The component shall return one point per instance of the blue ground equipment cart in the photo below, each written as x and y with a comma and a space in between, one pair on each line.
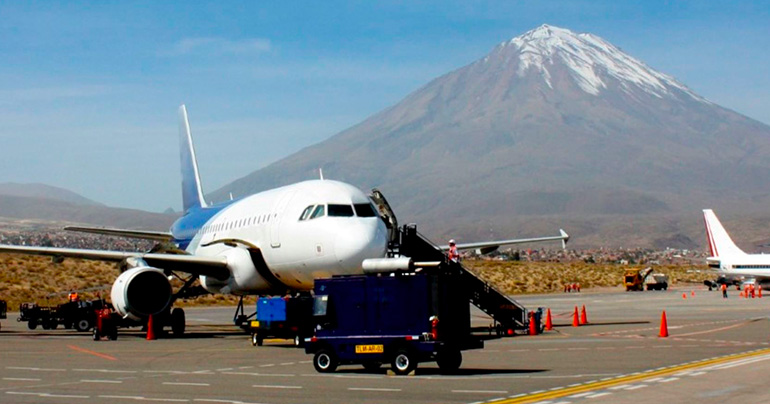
396, 318
282, 317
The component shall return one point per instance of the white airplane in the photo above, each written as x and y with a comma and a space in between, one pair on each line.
734, 266
268, 243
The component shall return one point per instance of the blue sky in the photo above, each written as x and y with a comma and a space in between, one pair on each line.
89, 90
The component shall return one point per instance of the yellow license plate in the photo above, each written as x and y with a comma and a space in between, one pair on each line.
255, 324
362, 349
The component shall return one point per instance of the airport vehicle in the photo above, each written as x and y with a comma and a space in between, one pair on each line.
656, 281
3, 309
282, 317
634, 278
271, 242
107, 323
80, 315
733, 266
401, 318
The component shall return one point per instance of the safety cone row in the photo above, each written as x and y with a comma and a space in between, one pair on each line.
583, 316
548, 321
663, 326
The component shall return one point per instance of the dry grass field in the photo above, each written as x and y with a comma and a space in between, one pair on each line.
26, 278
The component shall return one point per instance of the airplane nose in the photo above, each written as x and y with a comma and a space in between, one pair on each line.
355, 244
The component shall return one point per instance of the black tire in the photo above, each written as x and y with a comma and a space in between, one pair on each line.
67, 326
83, 325
53, 325
403, 362
298, 341
45, 325
372, 366
178, 322
96, 334
254, 339
113, 335
325, 361
449, 361
32, 324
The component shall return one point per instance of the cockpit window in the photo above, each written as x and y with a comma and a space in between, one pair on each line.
318, 212
306, 212
364, 210
340, 210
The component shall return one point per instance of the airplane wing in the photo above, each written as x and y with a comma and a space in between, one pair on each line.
146, 235
208, 266
489, 246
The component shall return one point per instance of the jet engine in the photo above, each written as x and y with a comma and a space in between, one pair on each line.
140, 292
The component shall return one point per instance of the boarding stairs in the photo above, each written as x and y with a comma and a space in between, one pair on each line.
506, 312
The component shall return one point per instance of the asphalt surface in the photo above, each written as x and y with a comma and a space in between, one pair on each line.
616, 358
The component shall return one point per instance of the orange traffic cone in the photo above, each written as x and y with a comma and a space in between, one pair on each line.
548, 321
532, 325
583, 316
759, 291
684, 295
150, 330
692, 293
575, 322
741, 294
663, 326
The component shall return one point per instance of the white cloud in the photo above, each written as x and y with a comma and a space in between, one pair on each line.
214, 45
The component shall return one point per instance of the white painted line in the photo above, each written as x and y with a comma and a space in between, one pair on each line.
185, 384
606, 393
224, 369
20, 379
580, 395
670, 379
216, 400
622, 386
697, 373
267, 366
19, 393
288, 363
638, 386
270, 386
104, 371
124, 397
577, 349
370, 389
548, 349
259, 374
481, 391
656, 379
36, 369
100, 381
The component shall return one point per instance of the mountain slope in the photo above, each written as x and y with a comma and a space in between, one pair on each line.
46, 192
550, 123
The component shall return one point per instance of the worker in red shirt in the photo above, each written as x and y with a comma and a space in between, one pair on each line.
724, 290
454, 256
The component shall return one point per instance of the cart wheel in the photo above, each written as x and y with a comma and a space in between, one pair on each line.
403, 362
44, 324
32, 324
298, 341
113, 336
372, 366
83, 325
254, 339
325, 361
449, 361
96, 334
177, 322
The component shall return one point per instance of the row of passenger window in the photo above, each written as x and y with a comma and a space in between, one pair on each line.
249, 221
316, 211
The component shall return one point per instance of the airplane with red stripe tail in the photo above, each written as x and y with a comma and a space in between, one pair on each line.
733, 265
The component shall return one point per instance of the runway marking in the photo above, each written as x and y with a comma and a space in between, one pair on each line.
639, 376
638, 386
47, 395
90, 352
259, 374
271, 386
580, 395
606, 393
714, 330
288, 363
481, 391
215, 400
140, 398
100, 381
104, 371
371, 389
185, 384
36, 369
20, 379
670, 379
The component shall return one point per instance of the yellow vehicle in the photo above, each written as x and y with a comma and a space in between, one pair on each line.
634, 278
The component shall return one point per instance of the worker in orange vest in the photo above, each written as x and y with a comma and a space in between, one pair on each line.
724, 290
454, 256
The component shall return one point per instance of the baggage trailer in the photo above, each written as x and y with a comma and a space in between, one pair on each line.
398, 318
79, 314
282, 317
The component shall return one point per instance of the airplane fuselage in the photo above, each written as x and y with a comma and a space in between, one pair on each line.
284, 238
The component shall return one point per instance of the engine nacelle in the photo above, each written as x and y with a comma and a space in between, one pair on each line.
140, 292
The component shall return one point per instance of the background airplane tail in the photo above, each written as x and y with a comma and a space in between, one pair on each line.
720, 243
192, 193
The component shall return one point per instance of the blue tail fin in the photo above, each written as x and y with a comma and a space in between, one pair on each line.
192, 194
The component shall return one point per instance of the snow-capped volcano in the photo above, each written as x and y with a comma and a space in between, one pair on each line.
549, 123
591, 61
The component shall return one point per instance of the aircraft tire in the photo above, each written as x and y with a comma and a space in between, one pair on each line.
178, 322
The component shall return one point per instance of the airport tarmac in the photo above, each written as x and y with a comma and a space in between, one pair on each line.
717, 351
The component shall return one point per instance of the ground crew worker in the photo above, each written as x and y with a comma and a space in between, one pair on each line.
73, 296
724, 290
454, 256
